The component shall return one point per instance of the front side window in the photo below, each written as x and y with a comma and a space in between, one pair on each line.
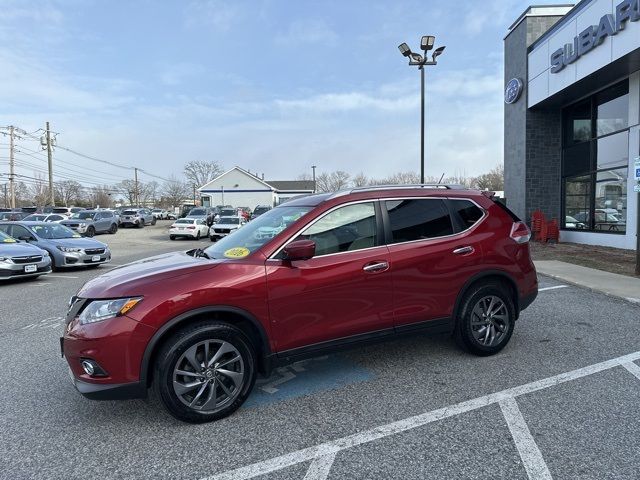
348, 228
418, 219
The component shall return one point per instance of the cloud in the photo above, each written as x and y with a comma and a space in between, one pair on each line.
343, 102
313, 31
217, 14
481, 16
176, 74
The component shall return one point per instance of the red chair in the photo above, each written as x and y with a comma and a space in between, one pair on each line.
553, 230
538, 222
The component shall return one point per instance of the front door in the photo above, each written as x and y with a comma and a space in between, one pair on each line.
344, 290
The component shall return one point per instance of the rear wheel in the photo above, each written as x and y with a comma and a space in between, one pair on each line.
198, 235
141, 224
172, 237
113, 229
205, 372
487, 319
153, 222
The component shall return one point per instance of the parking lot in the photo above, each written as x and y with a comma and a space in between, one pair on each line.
561, 401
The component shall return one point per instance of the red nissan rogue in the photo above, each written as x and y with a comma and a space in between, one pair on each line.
315, 274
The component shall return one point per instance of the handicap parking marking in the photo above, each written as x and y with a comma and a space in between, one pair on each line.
323, 454
305, 378
51, 322
60, 276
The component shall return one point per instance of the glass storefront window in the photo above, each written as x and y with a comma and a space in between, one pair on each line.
595, 170
577, 202
612, 109
611, 200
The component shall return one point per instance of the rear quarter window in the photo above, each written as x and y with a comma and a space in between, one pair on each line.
418, 219
468, 212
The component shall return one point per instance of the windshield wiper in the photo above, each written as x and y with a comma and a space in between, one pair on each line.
198, 252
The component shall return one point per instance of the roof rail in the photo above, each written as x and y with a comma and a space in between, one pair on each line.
403, 186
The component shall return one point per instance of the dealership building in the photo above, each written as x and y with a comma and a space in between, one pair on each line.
572, 115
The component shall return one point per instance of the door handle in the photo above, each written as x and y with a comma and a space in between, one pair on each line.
464, 250
376, 267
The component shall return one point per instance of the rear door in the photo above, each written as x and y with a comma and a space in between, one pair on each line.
432, 255
343, 291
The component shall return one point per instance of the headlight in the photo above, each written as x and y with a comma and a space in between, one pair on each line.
69, 249
99, 310
45, 253
4, 259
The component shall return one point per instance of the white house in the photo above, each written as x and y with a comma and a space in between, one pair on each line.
240, 188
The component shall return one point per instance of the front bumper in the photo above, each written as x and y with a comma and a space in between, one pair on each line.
123, 391
18, 270
76, 259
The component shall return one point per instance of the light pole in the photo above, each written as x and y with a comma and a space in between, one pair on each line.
313, 167
415, 59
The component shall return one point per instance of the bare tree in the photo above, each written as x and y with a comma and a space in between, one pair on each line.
68, 192
149, 193
201, 172
23, 195
174, 192
39, 190
494, 180
127, 189
360, 180
101, 196
332, 182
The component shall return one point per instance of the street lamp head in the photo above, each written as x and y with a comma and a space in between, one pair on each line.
404, 49
416, 57
426, 42
437, 52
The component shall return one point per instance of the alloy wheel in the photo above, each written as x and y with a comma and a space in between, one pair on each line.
209, 375
490, 321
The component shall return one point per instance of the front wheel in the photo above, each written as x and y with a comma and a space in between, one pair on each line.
113, 229
141, 224
205, 372
198, 235
487, 319
172, 237
153, 222
90, 232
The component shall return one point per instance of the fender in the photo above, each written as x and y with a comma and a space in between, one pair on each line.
160, 333
478, 276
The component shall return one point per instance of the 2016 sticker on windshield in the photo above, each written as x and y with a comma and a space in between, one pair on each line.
237, 252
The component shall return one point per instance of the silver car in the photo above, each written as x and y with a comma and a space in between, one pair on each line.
137, 217
66, 247
225, 226
90, 222
21, 260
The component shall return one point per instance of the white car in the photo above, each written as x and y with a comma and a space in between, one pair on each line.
226, 226
44, 217
188, 227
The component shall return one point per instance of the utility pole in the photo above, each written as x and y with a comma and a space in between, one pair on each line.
50, 160
135, 170
313, 167
12, 185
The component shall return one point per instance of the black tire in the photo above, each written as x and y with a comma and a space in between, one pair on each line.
170, 357
90, 232
198, 235
113, 229
141, 224
212, 239
153, 222
172, 237
470, 321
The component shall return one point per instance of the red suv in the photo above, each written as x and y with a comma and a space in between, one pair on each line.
315, 274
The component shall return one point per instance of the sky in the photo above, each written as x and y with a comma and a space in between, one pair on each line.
272, 86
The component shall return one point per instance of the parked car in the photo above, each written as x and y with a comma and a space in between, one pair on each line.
570, 222
245, 212
362, 265
225, 226
259, 210
66, 247
21, 260
171, 215
90, 222
160, 214
13, 216
44, 217
137, 217
189, 227
66, 211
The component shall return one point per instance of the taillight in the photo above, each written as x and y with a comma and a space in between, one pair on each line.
520, 232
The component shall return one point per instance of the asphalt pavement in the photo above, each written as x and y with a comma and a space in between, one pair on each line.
561, 401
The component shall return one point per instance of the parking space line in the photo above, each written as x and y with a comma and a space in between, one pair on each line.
552, 288
320, 467
60, 276
382, 431
529, 452
632, 368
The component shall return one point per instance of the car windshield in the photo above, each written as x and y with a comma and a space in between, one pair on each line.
130, 212
60, 210
260, 210
227, 213
256, 233
229, 220
83, 215
4, 238
185, 220
198, 211
35, 218
53, 231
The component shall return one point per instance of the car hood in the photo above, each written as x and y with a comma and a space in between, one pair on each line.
18, 249
76, 220
77, 242
134, 278
226, 225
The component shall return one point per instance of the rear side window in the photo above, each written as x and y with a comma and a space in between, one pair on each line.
418, 219
468, 212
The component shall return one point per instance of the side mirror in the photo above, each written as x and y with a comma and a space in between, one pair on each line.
300, 250
25, 238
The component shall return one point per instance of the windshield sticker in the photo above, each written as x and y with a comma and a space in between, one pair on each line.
9, 240
76, 235
237, 252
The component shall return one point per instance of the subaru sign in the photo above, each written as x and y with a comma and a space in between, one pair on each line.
594, 35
